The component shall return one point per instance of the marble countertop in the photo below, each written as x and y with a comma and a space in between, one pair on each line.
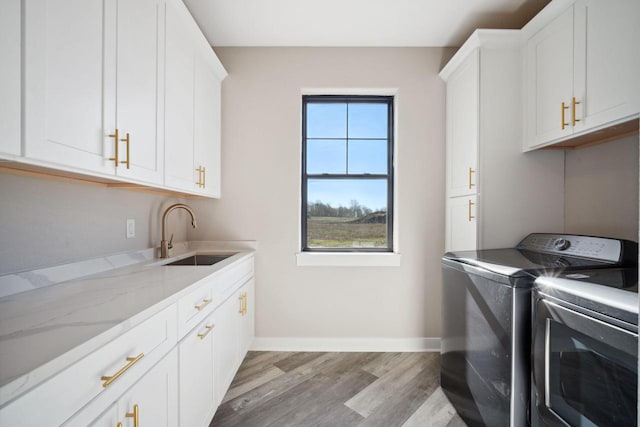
44, 330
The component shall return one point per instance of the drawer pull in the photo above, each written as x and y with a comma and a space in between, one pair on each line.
205, 302
208, 328
131, 361
134, 415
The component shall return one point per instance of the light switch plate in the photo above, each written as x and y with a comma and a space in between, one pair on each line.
131, 228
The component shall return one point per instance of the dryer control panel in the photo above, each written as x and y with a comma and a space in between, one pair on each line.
600, 248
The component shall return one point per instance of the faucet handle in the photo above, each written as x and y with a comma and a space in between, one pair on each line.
170, 246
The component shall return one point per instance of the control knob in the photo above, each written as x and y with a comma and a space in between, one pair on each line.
561, 244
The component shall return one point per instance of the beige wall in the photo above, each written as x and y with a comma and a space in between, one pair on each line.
46, 222
261, 186
601, 189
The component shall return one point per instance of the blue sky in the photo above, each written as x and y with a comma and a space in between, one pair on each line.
369, 155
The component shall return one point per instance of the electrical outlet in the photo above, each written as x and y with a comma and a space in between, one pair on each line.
131, 228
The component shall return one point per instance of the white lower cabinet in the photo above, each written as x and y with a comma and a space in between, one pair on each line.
152, 401
154, 375
461, 225
225, 348
196, 366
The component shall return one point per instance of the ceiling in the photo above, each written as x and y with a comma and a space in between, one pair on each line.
355, 22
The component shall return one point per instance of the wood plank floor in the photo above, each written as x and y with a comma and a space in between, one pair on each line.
337, 390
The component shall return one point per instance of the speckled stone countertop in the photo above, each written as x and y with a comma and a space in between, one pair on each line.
50, 327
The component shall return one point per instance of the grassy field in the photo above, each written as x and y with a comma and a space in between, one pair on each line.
332, 232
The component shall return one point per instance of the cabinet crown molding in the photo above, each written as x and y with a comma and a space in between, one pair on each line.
481, 38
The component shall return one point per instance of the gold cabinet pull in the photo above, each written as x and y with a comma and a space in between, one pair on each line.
205, 302
471, 172
241, 298
204, 177
564, 107
131, 361
470, 205
199, 183
116, 138
573, 111
208, 328
126, 139
135, 415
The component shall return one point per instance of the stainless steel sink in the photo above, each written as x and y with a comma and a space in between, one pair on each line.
200, 260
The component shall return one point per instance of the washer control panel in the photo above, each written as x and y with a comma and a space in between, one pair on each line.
600, 248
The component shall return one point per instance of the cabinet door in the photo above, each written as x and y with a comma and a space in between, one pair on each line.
207, 124
247, 328
10, 19
63, 79
156, 396
549, 82
140, 80
196, 376
180, 172
225, 344
607, 61
461, 224
462, 128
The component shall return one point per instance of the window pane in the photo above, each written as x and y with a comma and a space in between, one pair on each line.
368, 156
347, 213
326, 120
326, 156
368, 120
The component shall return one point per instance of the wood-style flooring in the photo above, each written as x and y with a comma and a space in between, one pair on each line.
283, 389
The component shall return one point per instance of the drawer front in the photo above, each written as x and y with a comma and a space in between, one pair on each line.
230, 280
124, 360
195, 306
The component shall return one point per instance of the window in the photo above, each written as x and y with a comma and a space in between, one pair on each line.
347, 173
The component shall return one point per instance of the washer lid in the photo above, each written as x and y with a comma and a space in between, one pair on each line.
520, 262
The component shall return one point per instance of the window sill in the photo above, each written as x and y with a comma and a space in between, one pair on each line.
347, 259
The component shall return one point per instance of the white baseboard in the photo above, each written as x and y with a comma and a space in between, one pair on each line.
346, 344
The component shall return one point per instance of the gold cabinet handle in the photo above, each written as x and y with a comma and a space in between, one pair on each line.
205, 302
204, 177
199, 183
131, 361
116, 137
564, 107
573, 111
208, 328
241, 298
471, 184
470, 205
127, 140
135, 415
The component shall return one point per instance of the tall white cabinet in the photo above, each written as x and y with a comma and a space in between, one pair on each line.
496, 194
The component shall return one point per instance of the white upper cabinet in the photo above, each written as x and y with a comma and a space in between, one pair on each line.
64, 100
93, 67
549, 81
207, 125
462, 128
581, 68
138, 89
127, 90
179, 95
607, 61
10, 77
193, 96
